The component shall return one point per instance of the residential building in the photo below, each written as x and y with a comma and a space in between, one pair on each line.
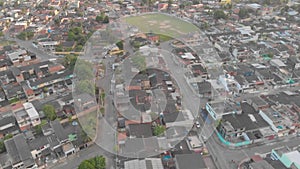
219, 108
8, 125
27, 117
23, 120
193, 161
148, 163
286, 157
32, 113
19, 153
140, 130
59, 131
14, 92
248, 124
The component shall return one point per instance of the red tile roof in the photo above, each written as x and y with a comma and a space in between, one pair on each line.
133, 88
127, 122
121, 136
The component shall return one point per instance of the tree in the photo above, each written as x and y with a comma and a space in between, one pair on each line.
38, 129
102, 97
59, 48
97, 162
78, 48
69, 61
181, 6
1, 33
219, 14
99, 18
148, 3
243, 13
49, 111
195, 2
84, 137
56, 21
158, 130
2, 147
106, 19
71, 36
45, 89
267, 2
86, 165
120, 45
205, 25
7, 136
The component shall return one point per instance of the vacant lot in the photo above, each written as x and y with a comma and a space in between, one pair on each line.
161, 24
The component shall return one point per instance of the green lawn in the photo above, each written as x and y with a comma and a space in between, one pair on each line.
161, 24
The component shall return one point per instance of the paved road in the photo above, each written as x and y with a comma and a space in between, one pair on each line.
188, 95
28, 45
107, 126
222, 155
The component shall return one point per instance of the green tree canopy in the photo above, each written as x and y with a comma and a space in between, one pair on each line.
2, 146
69, 61
120, 45
219, 14
71, 36
243, 13
78, 48
76, 34
106, 19
97, 162
158, 130
49, 111
99, 18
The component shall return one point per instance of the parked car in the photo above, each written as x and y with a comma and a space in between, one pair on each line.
197, 124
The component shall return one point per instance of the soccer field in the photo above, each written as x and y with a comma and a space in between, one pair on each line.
161, 24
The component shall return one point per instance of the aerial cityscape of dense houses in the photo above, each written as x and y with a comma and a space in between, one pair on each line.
225, 96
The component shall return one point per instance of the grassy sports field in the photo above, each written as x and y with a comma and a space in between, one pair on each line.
161, 24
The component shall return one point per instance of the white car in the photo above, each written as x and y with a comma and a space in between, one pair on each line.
197, 124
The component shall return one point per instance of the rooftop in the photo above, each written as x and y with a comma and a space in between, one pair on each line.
248, 119
262, 164
293, 156
194, 161
140, 130
59, 130
204, 87
31, 111
148, 163
18, 150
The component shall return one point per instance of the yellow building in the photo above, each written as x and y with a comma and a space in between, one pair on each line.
224, 2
